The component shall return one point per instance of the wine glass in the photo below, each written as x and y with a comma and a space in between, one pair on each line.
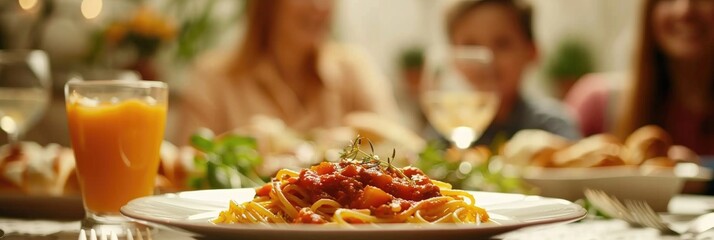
460, 95
24, 90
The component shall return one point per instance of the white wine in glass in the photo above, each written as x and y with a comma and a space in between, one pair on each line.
24, 90
460, 95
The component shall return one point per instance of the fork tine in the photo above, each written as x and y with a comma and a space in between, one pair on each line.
597, 199
129, 236
653, 218
138, 235
610, 205
642, 216
92, 235
622, 210
649, 217
148, 234
646, 215
82, 235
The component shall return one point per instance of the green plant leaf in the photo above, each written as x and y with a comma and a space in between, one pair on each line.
571, 59
201, 143
230, 161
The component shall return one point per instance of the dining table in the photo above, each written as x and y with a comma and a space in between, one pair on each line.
681, 209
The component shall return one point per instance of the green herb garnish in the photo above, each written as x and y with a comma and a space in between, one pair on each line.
353, 153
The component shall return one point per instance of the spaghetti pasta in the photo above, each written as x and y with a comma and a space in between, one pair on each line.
355, 190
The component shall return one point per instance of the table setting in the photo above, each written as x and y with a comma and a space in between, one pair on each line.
356, 120
684, 208
121, 180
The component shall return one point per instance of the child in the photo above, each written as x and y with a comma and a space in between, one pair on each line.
504, 26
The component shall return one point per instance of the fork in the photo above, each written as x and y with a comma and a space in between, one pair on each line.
639, 213
611, 206
650, 218
92, 235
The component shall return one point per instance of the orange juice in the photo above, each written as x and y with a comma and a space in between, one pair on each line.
116, 147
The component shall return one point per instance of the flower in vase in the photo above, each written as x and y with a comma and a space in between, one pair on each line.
145, 31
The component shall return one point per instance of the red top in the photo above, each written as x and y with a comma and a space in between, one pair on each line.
693, 130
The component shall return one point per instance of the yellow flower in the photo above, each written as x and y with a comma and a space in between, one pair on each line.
166, 31
115, 33
149, 24
146, 30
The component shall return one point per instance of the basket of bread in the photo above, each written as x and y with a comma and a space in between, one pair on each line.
39, 181
644, 166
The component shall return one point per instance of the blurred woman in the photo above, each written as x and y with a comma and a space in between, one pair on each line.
673, 83
287, 68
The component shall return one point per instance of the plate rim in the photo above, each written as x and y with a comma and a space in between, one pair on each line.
200, 228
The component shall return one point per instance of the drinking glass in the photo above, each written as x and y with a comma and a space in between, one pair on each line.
460, 95
24, 90
116, 128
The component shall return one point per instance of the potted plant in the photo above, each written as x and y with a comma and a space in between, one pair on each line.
571, 60
411, 62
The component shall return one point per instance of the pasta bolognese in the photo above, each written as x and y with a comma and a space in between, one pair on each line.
359, 189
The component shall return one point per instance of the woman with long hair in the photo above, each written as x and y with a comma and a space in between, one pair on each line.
286, 67
673, 79
671, 84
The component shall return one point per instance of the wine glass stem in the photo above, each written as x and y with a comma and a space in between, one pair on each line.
463, 137
13, 137
461, 145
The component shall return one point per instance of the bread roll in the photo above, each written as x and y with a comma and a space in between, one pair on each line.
647, 142
683, 154
609, 160
174, 168
29, 168
11, 169
649, 145
590, 152
532, 147
543, 158
659, 162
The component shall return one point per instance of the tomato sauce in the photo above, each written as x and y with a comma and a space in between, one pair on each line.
385, 191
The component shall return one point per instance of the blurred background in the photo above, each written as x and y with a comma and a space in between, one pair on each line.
161, 40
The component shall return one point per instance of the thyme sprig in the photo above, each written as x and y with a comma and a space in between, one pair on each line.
352, 153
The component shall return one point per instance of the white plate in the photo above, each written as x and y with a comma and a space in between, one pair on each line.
191, 211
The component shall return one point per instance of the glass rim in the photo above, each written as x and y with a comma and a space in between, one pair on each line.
472, 52
21, 51
117, 83
18, 56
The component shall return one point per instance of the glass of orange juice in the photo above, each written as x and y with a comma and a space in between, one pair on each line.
116, 128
